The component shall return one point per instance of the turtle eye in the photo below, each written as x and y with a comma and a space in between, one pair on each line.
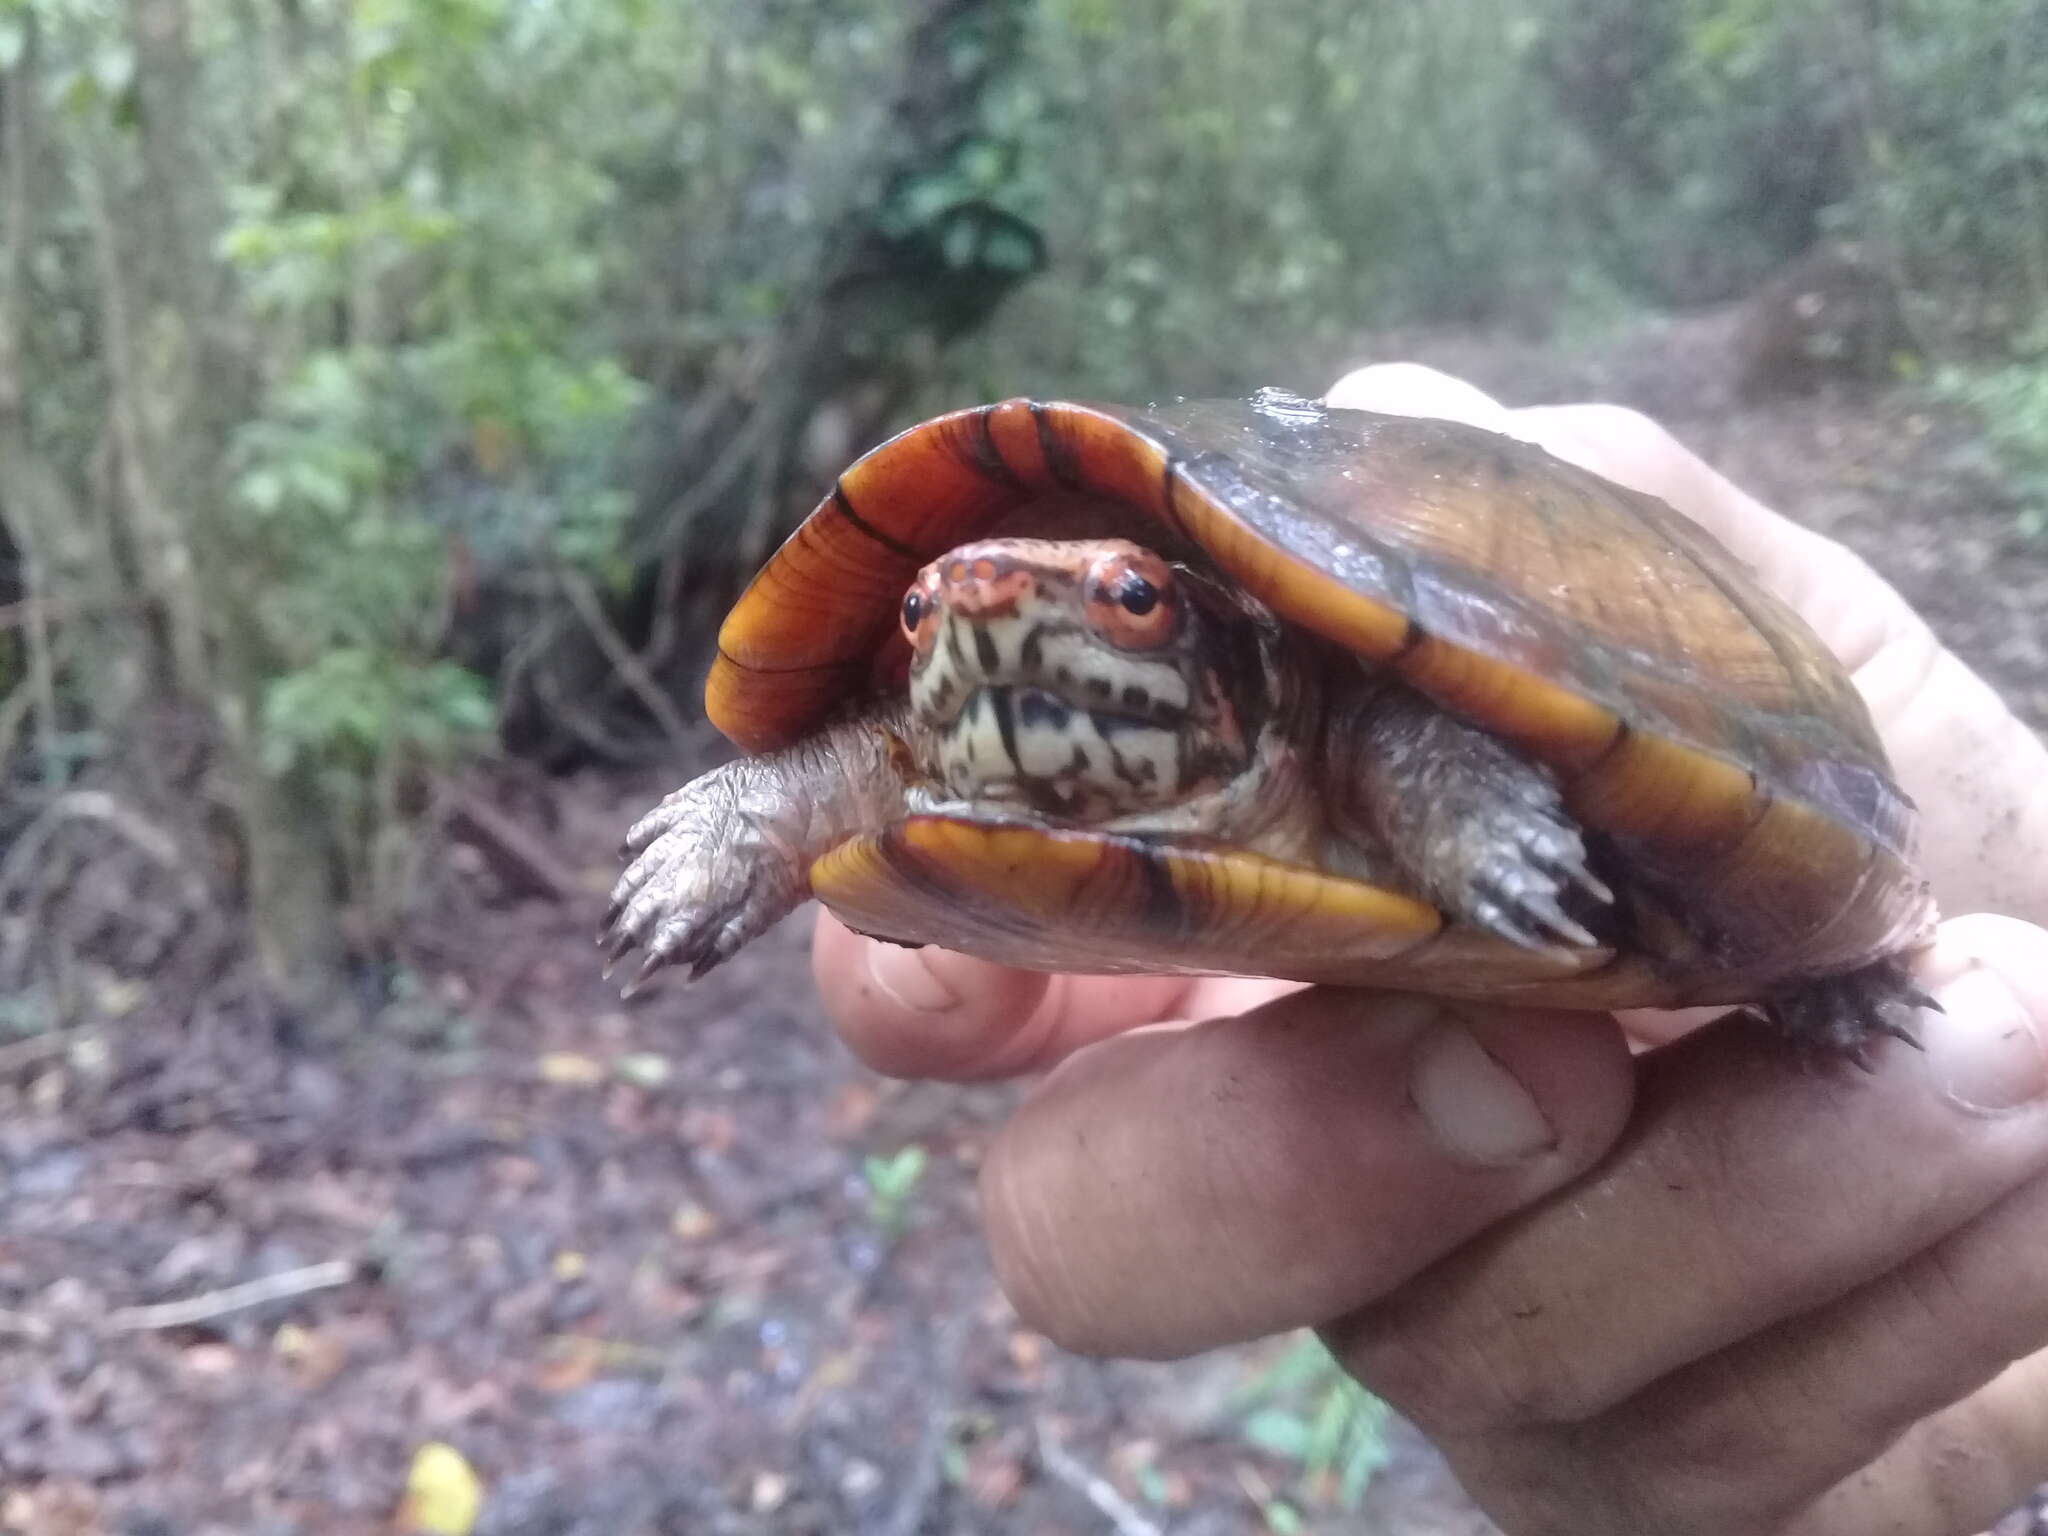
1131, 599
1138, 596
920, 603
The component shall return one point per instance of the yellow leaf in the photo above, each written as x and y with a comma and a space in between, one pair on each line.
568, 1070
443, 1495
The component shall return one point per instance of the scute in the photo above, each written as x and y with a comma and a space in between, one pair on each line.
1072, 900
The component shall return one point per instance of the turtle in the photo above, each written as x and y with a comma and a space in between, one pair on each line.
1268, 687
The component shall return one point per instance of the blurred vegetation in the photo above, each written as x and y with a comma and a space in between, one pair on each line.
386, 381
1304, 1408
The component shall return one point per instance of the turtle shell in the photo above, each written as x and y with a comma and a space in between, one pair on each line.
1695, 724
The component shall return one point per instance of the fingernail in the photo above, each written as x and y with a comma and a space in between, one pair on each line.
904, 977
1471, 1104
1984, 1044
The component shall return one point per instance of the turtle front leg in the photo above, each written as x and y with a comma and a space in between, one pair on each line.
1478, 827
728, 855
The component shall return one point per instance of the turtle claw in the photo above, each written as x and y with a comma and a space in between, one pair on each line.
615, 946
639, 979
1530, 879
708, 875
1847, 1015
1528, 915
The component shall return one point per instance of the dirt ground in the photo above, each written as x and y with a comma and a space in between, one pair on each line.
643, 1265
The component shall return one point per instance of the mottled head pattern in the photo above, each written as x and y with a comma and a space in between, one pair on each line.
1077, 677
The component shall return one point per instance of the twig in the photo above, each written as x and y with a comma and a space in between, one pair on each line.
23, 1325
632, 672
668, 608
33, 1049
98, 806
14, 713
928, 1461
522, 861
586, 728
32, 612
235, 1298
1113, 1506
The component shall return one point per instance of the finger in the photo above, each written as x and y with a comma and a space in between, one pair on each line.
1769, 1191
1747, 1438
1168, 1191
931, 1013
1957, 1470
1978, 774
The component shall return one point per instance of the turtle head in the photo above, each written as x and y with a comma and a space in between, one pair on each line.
1084, 678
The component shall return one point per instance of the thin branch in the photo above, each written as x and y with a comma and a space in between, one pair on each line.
522, 861
632, 672
24, 1325
33, 612
668, 608
19, 138
927, 1463
14, 710
1113, 1506
235, 1298
35, 1049
97, 806
585, 727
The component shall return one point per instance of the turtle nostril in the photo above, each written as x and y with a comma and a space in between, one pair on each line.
985, 593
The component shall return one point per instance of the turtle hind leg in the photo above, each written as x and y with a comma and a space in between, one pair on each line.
1847, 1015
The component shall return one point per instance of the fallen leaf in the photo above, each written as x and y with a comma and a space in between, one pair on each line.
644, 1069
709, 1130
443, 1495
215, 1360
314, 1357
566, 1069
849, 1110
692, 1222
995, 1471
770, 1490
569, 1361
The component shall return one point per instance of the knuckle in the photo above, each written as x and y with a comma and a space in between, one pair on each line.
1471, 1383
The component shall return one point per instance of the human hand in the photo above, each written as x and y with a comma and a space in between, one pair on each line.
1690, 1290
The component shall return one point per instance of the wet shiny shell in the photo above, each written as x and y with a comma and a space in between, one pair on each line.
1695, 723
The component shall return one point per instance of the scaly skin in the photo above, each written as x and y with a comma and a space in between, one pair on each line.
1477, 827
727, 856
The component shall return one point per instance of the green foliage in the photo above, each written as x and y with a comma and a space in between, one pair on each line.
1958, 153
892, 1183
348, 707
2010, 403
1305, 1409
1226, 188
1729, 134
1233, 194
